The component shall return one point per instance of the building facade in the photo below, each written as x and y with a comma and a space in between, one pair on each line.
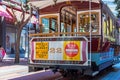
8, 30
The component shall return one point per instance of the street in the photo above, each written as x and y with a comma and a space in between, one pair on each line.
11, 71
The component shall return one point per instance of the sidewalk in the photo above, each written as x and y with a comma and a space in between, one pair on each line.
8, 69
10, 62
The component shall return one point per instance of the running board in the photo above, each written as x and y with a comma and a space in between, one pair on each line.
91, 73
95, 73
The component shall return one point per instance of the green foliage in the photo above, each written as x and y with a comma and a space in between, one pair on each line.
25, 5
118, 15
115, 1
117, 7
27, 1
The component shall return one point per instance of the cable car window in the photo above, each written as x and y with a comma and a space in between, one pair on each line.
45, 23
68, 19
84, 22
53, 27
49, 24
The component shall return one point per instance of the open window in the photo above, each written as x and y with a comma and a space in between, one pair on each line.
84, 22
49, 24
68, 19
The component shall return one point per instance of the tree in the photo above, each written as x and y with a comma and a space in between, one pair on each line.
20, 23
117, 7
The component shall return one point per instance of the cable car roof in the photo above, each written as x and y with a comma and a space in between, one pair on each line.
44, 3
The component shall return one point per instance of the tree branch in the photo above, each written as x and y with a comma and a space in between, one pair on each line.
26, 21
23, 13
14, 16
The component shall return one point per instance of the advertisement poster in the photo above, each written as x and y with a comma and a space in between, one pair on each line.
41, 50
10, 40
71, 50
58, 50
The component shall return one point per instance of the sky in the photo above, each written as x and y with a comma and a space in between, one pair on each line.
111, 5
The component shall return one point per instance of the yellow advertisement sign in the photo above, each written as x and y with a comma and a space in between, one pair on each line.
41, 49
71, 50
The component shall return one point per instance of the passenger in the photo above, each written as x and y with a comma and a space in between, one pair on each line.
2, 53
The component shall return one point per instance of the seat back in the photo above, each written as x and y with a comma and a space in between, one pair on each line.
106, 46
95, 45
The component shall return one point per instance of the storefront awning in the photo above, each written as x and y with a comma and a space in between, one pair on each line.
19, 13
4, 13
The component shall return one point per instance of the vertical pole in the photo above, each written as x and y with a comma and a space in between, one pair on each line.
90, 32
28, 54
